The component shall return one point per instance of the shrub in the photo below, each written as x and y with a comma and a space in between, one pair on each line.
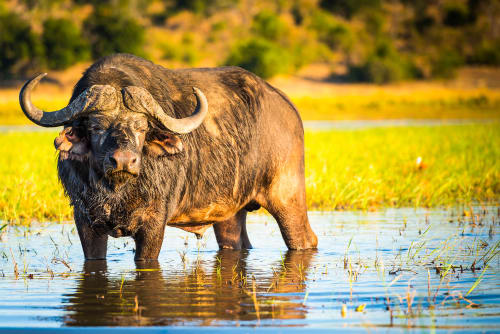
446, 64
169, 51
383, 65
423, 22
488, 53
268, 25
185, 52
64, 44
261, 57
306, 51
20, 49
204, 7
298, 16
332, 32
456, 15
197, 6
349, 8
379, 70
110, 31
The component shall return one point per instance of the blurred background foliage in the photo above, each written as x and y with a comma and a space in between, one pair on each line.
376, 41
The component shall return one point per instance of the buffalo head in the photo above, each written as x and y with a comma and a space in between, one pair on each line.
111, 129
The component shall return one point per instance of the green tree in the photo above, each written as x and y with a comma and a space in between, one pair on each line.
349, 8
268, 25
331, 31
110, 31
383, 64
261, 57
456, 15
20, 49
446, 63
64, 44
487, 53
205, 7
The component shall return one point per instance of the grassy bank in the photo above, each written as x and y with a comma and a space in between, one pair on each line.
326, 101
47, 98
371, 168
359, 169
29, 188
381, 105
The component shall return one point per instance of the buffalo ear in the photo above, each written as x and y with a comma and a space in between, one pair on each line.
63, 141
165, 144
72, 144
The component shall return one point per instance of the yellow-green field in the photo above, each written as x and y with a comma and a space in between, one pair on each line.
381, 105
29, 188
355, 169
46, 99
325, 101
367, 169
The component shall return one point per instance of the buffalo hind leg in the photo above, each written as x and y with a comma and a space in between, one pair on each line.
286, 202
232, 233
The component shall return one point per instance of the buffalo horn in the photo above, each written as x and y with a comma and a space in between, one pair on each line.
140, 100
101, 97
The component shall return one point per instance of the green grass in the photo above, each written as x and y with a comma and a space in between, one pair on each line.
10, 110
384, 105
29, 188
355, 169
420, 101
365, 169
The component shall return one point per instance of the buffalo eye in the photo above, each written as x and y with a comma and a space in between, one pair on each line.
97, 135
97, 132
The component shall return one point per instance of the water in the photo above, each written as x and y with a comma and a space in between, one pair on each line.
376, 260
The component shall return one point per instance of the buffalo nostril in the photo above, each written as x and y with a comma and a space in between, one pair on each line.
125, 160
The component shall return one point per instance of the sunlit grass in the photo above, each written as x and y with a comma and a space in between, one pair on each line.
45, 98
405, 104
29, 188
342, 103
366, 169
361, 169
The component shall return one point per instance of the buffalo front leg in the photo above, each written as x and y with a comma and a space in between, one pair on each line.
148, 241
150, 224
94, 244
232, 233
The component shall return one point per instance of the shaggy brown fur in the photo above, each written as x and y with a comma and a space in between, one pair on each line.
249, 152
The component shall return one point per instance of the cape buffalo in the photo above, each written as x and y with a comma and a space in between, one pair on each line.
144, 146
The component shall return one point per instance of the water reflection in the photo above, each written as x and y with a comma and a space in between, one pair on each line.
394, 258
213, 292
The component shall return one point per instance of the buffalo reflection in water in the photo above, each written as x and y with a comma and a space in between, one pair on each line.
190, 297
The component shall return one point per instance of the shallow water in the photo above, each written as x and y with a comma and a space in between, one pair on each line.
376, 260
